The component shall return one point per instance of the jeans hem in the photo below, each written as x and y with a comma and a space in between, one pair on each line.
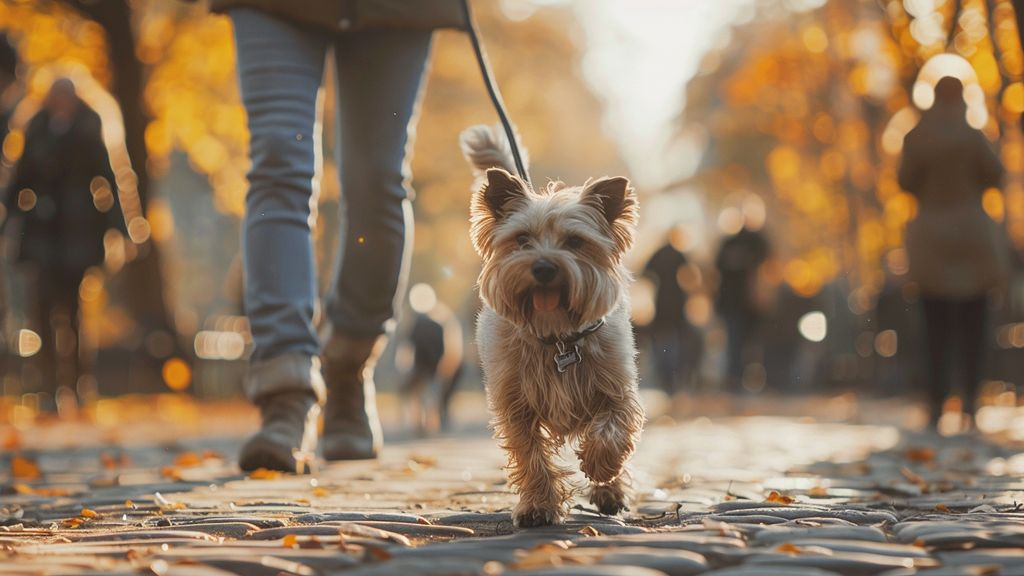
285, 373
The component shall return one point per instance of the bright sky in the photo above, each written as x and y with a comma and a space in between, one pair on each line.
639, 55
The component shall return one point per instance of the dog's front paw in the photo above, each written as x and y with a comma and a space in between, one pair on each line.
532, 516
610, 499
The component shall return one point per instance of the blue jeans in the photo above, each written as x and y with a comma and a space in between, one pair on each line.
379, 78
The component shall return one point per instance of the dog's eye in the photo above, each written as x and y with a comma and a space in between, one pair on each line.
574, 242
523, 240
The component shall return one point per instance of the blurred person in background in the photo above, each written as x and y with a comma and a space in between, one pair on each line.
62, 200
738, 263
435, 345
670, 330
957, 254
380, 54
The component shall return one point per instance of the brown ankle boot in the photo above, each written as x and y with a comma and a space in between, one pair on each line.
289, 421
351, 426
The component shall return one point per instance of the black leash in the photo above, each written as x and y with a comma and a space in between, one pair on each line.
492, 90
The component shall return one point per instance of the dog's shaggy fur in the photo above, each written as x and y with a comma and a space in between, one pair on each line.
582, 232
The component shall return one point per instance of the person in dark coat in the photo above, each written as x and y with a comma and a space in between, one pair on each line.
62, 199
739, 259
427, 341
957, 254
669, 328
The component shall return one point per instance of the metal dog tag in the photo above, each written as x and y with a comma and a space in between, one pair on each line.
567, 357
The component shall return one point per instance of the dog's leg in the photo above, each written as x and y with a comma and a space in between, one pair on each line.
606, 445
542, 485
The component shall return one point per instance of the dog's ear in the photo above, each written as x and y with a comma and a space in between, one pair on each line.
500, 189
615, 198
491, 205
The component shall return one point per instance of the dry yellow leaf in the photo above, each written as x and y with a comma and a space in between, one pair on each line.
290, 541
87, 513
942, 507
73, 522
26, 489
377, 554
777, 498
170, 472
321, 492
24, 468
12, 442
187, 459
919, 454
789, 548
264, 474
818, 492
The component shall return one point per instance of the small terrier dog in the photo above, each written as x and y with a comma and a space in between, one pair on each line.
554, 334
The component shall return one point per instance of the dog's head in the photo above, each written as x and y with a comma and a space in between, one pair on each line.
552, 260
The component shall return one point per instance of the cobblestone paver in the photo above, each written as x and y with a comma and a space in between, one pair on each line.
739, 496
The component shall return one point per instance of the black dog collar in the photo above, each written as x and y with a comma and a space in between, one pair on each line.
568, 350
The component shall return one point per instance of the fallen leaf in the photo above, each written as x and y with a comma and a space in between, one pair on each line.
290, 541
129, 504
321, 492
942, 507
915, 479
87, 513
73, 522
818, 492
41, 491
919, 454
12, 441
264, 474
187, 460
776, 498
108, 461
377, 554
24, 468
789, 548
212, 455
170, 472
422, 460
589, 531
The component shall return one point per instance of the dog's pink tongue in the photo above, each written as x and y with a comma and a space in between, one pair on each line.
546, 300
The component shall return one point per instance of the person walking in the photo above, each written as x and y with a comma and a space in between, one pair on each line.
738, 262
669, 328
380, 53
956, 252
63, 197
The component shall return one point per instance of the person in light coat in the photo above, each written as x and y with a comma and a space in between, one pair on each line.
957, 253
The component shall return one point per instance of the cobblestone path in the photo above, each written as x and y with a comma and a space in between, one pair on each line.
731, 496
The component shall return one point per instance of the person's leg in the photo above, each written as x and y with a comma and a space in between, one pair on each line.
665, 347
280, 67
971, 322
379, 75
736, 337
937, 349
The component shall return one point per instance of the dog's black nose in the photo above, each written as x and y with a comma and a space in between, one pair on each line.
544, 271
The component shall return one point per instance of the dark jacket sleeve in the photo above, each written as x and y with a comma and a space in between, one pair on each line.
990, 168
911, 170
99, 161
